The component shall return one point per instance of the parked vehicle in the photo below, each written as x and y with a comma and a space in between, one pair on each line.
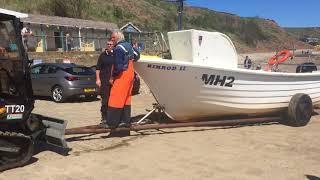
136, 83
62, 81
306, 67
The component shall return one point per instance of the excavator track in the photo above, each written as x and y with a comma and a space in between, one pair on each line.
16, 150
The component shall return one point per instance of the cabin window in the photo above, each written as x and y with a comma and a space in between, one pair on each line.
8, 42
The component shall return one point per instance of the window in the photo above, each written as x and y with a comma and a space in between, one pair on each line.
8, 41
43, 69
52, 69
80, 71
36, 70
11, 65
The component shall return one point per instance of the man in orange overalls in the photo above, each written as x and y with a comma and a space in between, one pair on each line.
119, 106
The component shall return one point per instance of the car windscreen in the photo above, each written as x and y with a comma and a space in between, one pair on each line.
80, 71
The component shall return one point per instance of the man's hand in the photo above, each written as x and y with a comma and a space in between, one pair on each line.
98, 83
111, 81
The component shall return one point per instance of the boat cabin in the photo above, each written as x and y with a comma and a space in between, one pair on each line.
203, 48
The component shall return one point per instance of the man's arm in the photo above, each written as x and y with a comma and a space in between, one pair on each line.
98, 80
98, 68
136, 54
24, 32
119, 55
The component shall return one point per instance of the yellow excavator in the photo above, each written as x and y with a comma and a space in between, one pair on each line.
19, 128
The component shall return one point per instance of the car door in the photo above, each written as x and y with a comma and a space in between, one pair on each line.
35, 79
41, 80
50, 79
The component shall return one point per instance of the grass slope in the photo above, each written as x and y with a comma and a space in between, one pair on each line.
248, 34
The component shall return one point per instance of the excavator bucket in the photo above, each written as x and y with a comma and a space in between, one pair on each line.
54, 131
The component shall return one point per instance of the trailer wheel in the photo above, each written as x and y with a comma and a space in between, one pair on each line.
299, 110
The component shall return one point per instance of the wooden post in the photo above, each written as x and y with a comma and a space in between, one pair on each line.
62, 41
43, 38
80, 46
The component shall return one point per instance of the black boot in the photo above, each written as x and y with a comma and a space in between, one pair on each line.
125, 120
103, 111
113, 116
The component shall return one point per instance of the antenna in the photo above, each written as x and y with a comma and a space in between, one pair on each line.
180, 11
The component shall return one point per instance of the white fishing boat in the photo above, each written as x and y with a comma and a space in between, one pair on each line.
203, 80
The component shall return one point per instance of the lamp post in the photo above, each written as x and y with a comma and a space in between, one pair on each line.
180, 11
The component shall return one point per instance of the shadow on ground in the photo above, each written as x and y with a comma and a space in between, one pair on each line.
311, 177
70, 100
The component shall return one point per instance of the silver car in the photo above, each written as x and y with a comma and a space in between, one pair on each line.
62, 80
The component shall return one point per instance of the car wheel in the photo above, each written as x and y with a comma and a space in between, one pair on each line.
57, 94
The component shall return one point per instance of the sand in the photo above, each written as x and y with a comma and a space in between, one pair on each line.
270, 151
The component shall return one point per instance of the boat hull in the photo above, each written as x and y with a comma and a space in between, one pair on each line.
191, 92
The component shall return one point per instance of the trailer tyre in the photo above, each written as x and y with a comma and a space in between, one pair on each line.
299, 110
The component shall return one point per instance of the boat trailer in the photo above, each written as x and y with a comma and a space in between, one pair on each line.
57, 131
158, 110
96, 129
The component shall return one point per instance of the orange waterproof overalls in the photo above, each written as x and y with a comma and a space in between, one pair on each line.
119, 105
120, 94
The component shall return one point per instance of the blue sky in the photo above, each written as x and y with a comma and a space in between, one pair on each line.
288, 13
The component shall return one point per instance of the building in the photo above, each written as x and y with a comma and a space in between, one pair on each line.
50, 32
150, 42
131, 32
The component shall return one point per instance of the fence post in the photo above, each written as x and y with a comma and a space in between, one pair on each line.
80, 43
66, 44
43, 38
62, 41
99, 43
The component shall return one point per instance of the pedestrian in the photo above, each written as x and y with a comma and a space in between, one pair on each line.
136, 50
119, 106
26, 32
247, 63
69, 41
103, 74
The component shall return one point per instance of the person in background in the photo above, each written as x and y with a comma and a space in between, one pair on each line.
69, 41
258, 67
26, 33
103, 74
119, 106
136, 50
247, 63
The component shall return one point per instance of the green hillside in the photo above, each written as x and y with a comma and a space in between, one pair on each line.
248, 34
301, 33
